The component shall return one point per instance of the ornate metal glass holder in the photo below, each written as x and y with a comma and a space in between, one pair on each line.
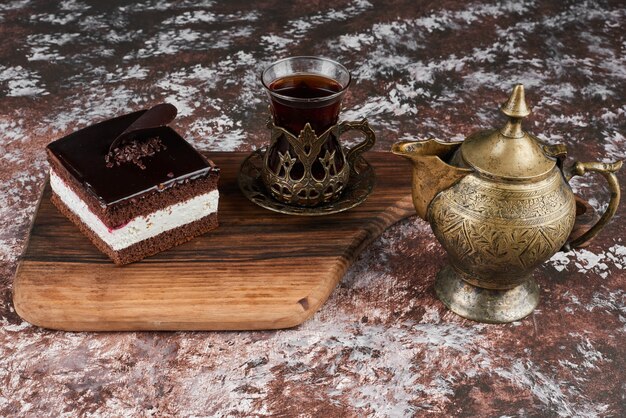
309, 174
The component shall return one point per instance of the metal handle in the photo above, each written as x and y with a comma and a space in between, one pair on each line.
357, 150
608, 172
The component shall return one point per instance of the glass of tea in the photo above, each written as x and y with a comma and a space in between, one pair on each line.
308, 166
306, 89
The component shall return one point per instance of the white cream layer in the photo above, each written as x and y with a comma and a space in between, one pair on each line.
141, 227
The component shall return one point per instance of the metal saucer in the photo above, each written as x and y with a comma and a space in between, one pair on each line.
358, 188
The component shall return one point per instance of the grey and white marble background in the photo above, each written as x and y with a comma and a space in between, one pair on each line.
382, 345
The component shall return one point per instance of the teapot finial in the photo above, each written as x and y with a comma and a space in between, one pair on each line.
516, 109
516, 106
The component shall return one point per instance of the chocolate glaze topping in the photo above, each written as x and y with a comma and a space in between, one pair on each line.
83, 153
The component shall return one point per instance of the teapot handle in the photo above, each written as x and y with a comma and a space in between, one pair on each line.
608, 172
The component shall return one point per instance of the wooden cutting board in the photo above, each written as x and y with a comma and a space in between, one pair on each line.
258, 270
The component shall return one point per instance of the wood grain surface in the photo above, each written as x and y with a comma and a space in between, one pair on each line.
258, 270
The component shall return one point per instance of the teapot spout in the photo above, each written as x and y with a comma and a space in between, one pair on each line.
431, 172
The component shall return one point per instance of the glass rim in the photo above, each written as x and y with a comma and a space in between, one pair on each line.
311, 99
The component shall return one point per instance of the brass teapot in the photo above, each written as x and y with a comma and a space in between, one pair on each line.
500, 204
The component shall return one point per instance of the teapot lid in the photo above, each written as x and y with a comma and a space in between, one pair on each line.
508, 152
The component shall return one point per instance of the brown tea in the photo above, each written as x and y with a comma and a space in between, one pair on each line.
307, 98
305, 86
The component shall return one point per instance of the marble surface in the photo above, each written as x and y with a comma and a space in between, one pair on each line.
382, 345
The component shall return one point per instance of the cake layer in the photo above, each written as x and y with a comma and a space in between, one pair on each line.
146, 248
122, 212
139, 228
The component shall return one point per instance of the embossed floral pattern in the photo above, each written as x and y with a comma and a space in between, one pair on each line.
501, 233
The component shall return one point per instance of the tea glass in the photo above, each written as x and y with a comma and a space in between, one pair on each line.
305, 164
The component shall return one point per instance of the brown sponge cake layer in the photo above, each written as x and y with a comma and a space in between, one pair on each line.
122, 212
144, 248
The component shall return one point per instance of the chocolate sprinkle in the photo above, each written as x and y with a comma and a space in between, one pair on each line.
132, 151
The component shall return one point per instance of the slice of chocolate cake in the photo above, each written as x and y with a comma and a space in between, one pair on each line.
133, 186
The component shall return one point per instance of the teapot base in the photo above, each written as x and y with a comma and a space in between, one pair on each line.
485, 305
